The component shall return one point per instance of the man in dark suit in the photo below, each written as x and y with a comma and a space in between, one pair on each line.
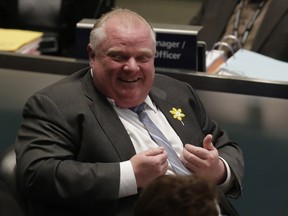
269, 32
81, 150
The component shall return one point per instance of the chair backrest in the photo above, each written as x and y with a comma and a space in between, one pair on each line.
56, 18
47, 13
8, 175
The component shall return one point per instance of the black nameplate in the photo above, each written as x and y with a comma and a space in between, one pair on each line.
176, 46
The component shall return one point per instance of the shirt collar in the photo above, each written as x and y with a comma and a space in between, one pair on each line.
148, 101
150, 104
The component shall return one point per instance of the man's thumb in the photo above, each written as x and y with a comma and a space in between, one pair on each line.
207, 142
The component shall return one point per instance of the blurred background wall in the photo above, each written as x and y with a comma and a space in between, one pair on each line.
163, 11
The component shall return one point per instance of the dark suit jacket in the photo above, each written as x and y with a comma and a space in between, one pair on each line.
8, 205
271, 40
71, 142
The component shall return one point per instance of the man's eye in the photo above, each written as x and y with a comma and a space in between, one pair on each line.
118, 57
144, 58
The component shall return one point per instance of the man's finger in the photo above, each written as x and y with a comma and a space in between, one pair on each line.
154, 151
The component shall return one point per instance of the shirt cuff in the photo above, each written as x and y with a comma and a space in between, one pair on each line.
225, 186
128, 185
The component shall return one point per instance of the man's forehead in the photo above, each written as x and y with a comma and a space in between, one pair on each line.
115, 23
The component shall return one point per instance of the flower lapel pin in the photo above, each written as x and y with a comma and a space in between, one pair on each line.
177, 114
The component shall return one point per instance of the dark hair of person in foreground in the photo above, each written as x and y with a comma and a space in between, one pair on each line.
172, 195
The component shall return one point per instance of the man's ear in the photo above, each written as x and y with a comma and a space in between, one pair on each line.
91, 53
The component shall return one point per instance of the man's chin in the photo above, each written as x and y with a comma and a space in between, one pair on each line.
129, 101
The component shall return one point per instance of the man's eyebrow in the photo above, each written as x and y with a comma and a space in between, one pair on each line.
114, 50
144, 51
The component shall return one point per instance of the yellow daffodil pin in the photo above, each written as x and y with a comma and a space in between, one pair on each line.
177, 114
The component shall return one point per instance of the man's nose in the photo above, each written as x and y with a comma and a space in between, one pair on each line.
131, 65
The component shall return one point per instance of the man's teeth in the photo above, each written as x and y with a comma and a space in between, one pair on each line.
129, 80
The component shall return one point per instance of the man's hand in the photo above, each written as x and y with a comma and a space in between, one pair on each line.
204, 161
149, 165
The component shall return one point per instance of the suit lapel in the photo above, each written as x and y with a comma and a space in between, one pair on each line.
275, 12
108, 120
182, 128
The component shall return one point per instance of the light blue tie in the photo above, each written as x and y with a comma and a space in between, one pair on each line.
161, 140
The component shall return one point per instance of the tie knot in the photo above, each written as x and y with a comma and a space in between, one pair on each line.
138, 109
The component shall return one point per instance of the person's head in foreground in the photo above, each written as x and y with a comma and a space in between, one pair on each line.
172, 195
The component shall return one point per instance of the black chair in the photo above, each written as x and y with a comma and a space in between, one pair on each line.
57, 19
8, 178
